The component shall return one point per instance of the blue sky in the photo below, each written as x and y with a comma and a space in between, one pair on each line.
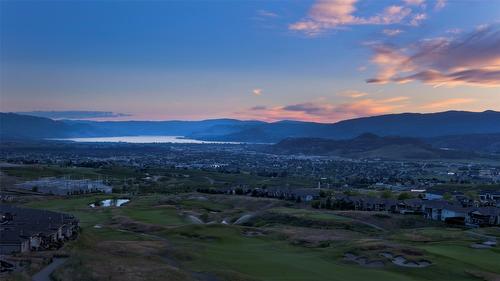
306, 60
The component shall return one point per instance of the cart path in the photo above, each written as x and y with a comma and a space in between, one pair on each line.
44, 274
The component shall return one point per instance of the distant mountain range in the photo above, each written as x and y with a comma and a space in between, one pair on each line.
406, 124
462, 130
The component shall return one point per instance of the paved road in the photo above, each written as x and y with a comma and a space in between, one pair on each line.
44, 274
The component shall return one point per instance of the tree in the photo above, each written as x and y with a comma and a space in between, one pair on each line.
328, 203
386, 194
322, 194
315, 204
447, 196
472, 195
351, 192
404, 196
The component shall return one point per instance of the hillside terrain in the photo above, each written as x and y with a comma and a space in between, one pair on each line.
366, 146
453, 130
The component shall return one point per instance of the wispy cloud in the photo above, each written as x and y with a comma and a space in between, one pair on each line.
414, 2
266, 13
392, 32
259, 107
417, 19
332, 14
74, 114
472, 59
440, 4
257, 92
446, 103
454, 31
325, 112
353, 94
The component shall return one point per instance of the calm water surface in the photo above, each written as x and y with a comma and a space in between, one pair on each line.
144, 139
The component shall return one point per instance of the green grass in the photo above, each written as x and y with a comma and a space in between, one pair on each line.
33, 172
159, 216
107, 233
311, 214
225, 251
485, 259
432, 234
491, 231
205, 204
78, 206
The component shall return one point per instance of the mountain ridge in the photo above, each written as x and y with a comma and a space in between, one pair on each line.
416, 125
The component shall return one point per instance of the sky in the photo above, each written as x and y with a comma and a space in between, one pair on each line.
320, 61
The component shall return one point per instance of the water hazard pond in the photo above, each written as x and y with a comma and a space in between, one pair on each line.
109, 203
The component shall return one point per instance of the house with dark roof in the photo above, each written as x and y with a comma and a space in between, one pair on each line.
25, 229
444, 211
483, 216
489, 195
13, 242
410, 206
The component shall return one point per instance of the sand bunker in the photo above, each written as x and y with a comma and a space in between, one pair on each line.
484, 245
363, 261
402, 261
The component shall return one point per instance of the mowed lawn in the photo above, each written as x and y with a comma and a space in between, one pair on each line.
484, 259
228, 253
311, 214
158, 216
78, 206
224, 251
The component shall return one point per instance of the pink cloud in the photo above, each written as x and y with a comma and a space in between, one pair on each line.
353, 94
439, 4
446, 103
257, 92
417, 19
325, 112
414, 2
472, 59
331, 14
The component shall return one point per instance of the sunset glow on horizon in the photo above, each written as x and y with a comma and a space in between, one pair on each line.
320, 61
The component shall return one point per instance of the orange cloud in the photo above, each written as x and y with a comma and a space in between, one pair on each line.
324, 112
473, 59
353, 94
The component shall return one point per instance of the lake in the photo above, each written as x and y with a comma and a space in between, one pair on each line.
145, 139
